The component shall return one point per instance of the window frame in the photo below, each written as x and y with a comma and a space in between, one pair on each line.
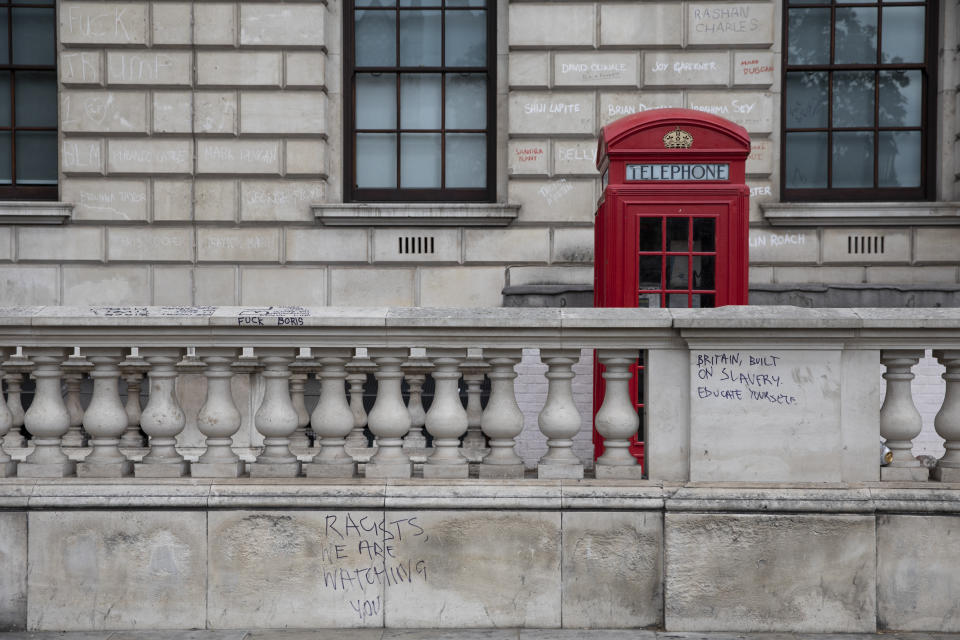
928, 110
352, 193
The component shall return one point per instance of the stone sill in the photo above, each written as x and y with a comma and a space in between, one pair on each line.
866, 214
35, 212
415, 214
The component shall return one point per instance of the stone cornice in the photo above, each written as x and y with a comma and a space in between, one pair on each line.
35, 212
412, 215
861, 214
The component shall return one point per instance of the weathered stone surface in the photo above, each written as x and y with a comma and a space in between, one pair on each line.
106, 199
912, 275
168, 68
80, 67
166, 244
506, 245
267, 200
172, 286
60, 245
588, 69
6, 244
172, 112
215, 200
760, 160
81, 155
13, 578
751, 110
283, 286
105, 285
558, 200
171, 23
305, 69
306, 158
461, 286
326, 245
215, 285
529, 157
614, 106
117, 570
238, 156
282, 24
761, 192
640, 24
754, 68
686, 69
551, 113
244, 68
542, 25
572, 245
529, 69
372, 287
749, 572
729, 23
238, 245
300, 569
936, 245
863, 245
30, 285
416, 245
460, 579
214, 23
283, 112
215, 111
149, 156
784, 245
103, 22
612, 569
819, 274
172, 200
575, 157
103, 111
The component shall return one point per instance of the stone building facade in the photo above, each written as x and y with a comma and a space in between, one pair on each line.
201, 151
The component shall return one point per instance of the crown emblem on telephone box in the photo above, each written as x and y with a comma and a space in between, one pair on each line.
677, 139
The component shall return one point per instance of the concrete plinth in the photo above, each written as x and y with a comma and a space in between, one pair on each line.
104, 469
446, 470
612, 472
217, 469
945, 474
55, 470
274, 469
388, 470
161, 470
560, 471
8, 469
501, 471
327, 470
905, 474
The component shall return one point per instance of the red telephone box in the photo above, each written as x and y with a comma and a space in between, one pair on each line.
672, 223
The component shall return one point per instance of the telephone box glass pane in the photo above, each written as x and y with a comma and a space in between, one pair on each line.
704, 268
677, 272
677, 234
703, 301
650, 237
677, 300
704, 234
648, 269
649, 301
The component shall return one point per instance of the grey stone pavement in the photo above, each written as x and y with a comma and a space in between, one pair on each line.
458, 634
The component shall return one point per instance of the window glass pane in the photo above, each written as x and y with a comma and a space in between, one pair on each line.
856, 36
466, 3
375, 33
703, 272
6, 155
36, 98
420, 160
649, 234
421, 3
419, 38
648, 270
466, 98
374, 3
4, 98
809, 36
899, 156
36, 157
376, 160
852, 159
806, 160
903, 35
466, 39
806, 98
704, 234
901, 98
420, 101
466, 160
33, 36
4, 45
677, 272
677, 238
853, 93
376, 101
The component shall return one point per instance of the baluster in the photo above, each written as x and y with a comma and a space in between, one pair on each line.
300, 370
389, 419
415, 372
446, 420
617, 420
332, 418
947, 422
47, 419
105, 419
474, 446
73, 369
357, 370
8, 466
162, 419
276, 419
559, 420
219, 417
502, 420
900, 422
133, 369
14, 368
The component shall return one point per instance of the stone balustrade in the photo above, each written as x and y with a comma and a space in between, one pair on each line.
768, 394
